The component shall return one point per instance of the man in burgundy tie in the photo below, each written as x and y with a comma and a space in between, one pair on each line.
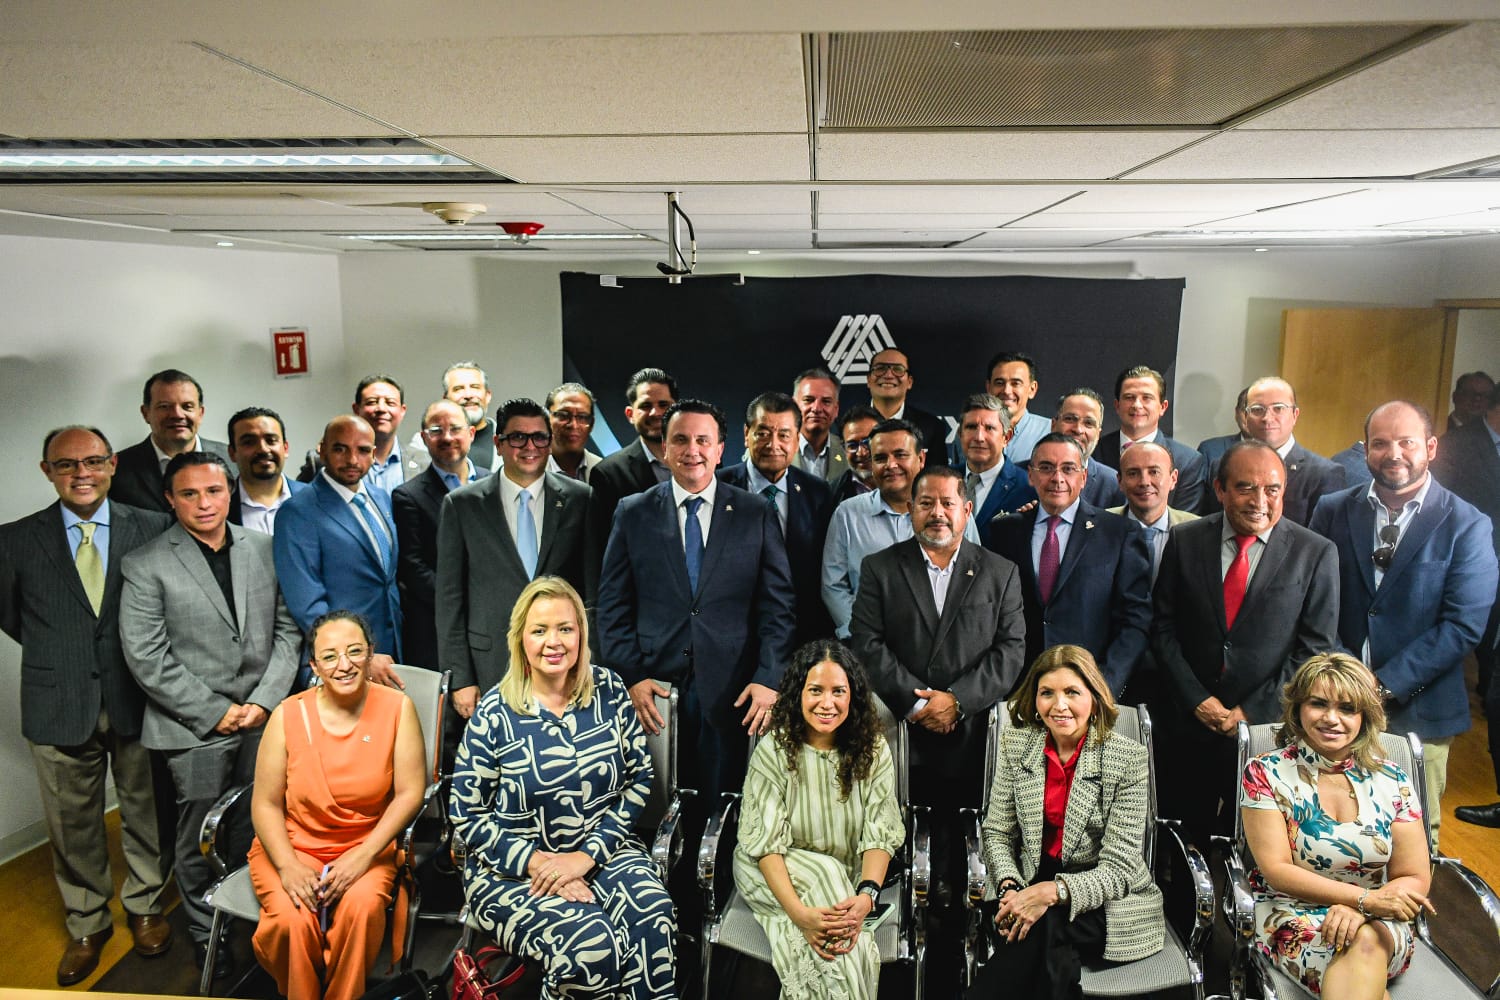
1242, 597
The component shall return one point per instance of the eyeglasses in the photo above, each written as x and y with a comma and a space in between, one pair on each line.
1047, 468
330, 658
1382, 557
518, 439
859, 444
1278, 410
883, 367
68, 466
571, 417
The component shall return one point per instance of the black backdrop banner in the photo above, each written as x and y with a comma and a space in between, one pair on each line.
727, 341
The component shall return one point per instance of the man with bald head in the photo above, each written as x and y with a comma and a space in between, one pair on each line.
335, 543
1417, 577
1148, 476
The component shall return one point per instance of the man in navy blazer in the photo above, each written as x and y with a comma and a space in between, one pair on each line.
803, 502
637, 466
1100, 595
258, 447
992, 484
335, 545
1417, 576
1140, 402
696, 592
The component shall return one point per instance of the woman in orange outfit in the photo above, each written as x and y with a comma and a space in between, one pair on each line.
339, 775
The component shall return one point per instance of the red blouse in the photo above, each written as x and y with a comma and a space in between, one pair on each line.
1055, 799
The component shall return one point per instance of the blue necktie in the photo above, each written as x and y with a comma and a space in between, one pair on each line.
692, 538
378, 536
526, 543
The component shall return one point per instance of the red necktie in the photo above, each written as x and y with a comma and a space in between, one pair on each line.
1236, 579
1046, 570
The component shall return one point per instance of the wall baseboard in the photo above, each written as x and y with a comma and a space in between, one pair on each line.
34, 835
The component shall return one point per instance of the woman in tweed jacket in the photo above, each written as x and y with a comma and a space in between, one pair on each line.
1063, 835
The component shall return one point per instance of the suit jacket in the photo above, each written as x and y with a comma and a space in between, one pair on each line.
1102, 598
737, 628
934, 431
1290, 612
1174, 516
1431, 607
622, 474
1468, 464
1352, 461
809, 506
414, 461
325, 562
1010, 491
838, 461
192, 656
480, 575
1103, 829
846, 486
1308, 477
1212, 449
236, 506
1188, 493
1101, 488
415, 506
138, 479
71, 660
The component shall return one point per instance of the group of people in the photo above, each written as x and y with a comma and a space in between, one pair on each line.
166, 606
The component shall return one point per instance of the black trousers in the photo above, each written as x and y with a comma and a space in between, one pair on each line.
1047, 963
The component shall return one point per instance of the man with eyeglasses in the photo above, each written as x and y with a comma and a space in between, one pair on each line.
81, 710
496, 536
1243, 597
639, 465
571, 407
890, 380
993, 485
1417, 576
415, 507
1085, 573
172, 406
209, 639
258, 446
1471, 398
1080, 415
803, 502
1271, 415
379, 402
854, 432
820, 452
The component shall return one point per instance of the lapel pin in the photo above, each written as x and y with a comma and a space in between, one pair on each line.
969, 573
797, 487
1088, 525
557, 503
729, 506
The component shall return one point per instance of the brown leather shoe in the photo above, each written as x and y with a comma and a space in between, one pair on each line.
152, 933
81, 957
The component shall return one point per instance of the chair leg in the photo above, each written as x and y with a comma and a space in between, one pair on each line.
216, 929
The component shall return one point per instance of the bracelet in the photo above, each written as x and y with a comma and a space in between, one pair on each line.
1361, 904
1006, 885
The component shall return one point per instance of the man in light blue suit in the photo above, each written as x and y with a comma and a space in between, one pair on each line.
336, 545
1417, 576
992, 484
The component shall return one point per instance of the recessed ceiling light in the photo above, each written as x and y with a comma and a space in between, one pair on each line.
1261, 249
224, 243
753, 253
138, 160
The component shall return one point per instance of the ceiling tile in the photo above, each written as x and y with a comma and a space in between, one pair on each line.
669, 160
740, 199
927, 221
1107, 222
1012, 200
1327, 154
704, 224
1208, 199
989, 155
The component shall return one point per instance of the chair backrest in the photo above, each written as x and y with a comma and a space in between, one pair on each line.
428, 691
895, 737
662, 745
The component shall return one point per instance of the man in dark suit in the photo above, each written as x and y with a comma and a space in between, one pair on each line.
1085, 573
803, 502
1140, 402
496, 536
257, 445
890, 380
1468, 463
639, 465
1471, 397
854, 432
336, 545
1213, 449
819, 451
993, 485
1417, 578
172, 406
1242, 599
696, 592
1080, 415
415, 507
81, 710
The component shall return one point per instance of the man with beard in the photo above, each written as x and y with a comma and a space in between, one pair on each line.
378, 401
468, 385
571, 409
640, 465
172, 406
257, 445
1417, 576
859, 478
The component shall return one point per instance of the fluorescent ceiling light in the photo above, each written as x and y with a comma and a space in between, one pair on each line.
482, 237
136, 160
1268, 235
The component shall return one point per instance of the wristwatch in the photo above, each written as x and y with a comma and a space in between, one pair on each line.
870, 888
957, 705
1062, 891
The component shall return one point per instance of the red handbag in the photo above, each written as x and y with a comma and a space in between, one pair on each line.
486, 973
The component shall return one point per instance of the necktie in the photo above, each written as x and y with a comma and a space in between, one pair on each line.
692, 539
1236, 579
971, 487
526, 543
378, 537
1046, 570
770, 494
90, 566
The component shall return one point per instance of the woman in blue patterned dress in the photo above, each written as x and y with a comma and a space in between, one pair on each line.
1341, 863
550, 777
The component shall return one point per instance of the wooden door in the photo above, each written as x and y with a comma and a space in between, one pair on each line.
1344, 362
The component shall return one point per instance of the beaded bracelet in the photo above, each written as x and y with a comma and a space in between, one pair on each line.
1361, 904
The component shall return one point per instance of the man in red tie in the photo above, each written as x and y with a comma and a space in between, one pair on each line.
1242, 598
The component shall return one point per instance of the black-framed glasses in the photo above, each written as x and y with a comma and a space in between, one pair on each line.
518, 439
68, 466
859, 444
571, 417
1381, 557
882, 367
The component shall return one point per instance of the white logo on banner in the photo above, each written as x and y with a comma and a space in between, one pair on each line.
855, 340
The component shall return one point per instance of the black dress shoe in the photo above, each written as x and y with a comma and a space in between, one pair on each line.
223, 961
1480, 815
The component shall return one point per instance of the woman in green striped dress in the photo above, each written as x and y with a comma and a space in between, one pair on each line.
818, 825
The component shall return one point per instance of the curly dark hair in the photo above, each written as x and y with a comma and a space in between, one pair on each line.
855, 740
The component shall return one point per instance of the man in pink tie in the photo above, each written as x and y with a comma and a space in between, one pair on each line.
1242, 598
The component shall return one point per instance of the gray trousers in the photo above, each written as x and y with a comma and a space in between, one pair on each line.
202, 774
72, 787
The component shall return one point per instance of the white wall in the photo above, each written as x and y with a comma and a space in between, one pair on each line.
85, 323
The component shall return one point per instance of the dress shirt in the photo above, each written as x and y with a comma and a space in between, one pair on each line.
257, 517
1030, 429
758, 483
381, 546
450, 479
705, 513
1409, 511
986, 482
658, 467
1064, 532
162, 458
100, 520
585, 465
814, 464
1286, 449
1126, 442
219, 565
940, 577
510, 503
1229, 549
390, 473
1156, 536
1055, 796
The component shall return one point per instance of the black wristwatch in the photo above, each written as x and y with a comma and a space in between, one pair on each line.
870, 888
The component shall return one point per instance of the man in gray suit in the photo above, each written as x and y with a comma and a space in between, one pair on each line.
496, 536
210, 641
80, 708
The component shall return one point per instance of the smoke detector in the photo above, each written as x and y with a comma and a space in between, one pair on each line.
455, 213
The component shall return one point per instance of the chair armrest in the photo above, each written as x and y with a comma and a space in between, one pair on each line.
921, 856
667, 845
708, 849
208, 834
1489, 904
976, 874
1202, 885
1239, 903
404, 838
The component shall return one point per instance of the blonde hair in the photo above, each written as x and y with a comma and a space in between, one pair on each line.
1079, 660
1351, 681
515, 686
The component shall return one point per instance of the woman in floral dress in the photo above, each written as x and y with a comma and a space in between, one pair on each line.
1341, 862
